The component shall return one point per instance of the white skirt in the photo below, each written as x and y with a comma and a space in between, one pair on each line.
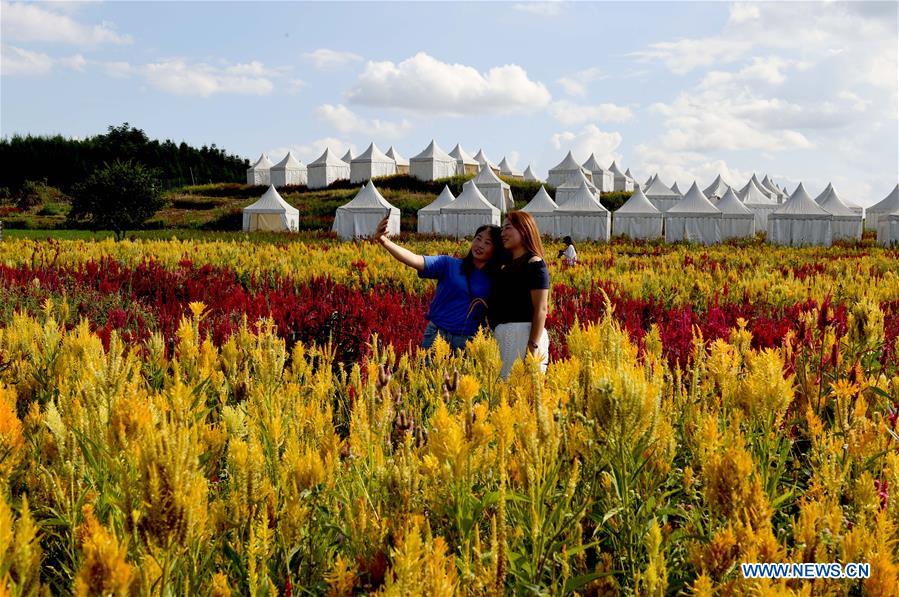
513, 345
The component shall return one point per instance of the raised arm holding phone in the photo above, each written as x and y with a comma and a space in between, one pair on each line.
458, 308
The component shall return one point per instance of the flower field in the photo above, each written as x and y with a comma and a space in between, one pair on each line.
226, 417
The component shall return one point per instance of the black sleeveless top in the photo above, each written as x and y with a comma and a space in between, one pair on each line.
510, 297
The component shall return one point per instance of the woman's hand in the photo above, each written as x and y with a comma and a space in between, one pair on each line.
381, 232
399, 253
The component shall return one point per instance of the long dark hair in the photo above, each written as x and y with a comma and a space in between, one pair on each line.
498, 252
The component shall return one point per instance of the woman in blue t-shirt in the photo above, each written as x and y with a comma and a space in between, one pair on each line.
459, 306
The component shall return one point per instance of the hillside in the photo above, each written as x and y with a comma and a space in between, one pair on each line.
219, 206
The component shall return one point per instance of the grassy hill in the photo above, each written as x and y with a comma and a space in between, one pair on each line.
219, 206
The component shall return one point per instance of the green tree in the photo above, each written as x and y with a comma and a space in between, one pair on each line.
120, 196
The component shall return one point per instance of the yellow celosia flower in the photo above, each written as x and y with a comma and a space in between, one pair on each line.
12, 441
197, 308
341, 578
447, 441
843, 389
467, 388
764, 391
105, 569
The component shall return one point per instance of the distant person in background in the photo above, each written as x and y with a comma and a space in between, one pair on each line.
568, 253
459, 306
520, 295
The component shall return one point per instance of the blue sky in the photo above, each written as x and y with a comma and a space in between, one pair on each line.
802, 91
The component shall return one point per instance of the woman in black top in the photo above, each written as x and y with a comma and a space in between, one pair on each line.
520, 294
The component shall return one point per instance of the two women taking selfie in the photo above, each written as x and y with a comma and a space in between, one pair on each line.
502, 282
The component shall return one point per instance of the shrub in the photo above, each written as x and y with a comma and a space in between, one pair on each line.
229, 220
36, 194
120, 196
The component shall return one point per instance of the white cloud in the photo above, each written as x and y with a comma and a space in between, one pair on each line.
424, 84
346, 121
862, 40
589, 139
313, 150
17, 61
294, 86
543, 9
684, 55
835, 71
576, 84
34, 22
741, 12
859, 104
182, 78
570, 114
118, 69
175, 75
768, 69
723, 119
75, 62
686, 167
324, 59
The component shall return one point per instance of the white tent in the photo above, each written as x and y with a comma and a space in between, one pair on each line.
529, 175
716, 190
660, 195
506, 169
638, 218
348, 156
800, 221
564, 170
270, 213
289, 171
847, 224
429, 219
887, 205
603, 179
260, 172
465, 164
543, 209
481, 158
361, 216
759, 203
623, 182
737, 220
694, 218
649, 181
776, 196
631, 176
468, 212
676, 189
583, 218
828, 190
402, 164
371, 163
432, 163
326, 169
768, 186
571, 186
888, 228
497, 191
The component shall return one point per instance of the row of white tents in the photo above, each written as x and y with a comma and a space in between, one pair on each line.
798, 221
432, 163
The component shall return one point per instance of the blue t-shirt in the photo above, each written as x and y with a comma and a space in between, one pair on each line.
452, 300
